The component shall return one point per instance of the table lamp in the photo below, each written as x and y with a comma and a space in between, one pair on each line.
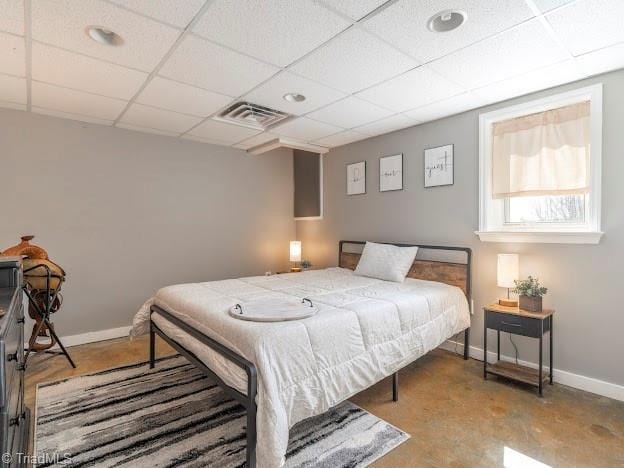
295, 254
507, 273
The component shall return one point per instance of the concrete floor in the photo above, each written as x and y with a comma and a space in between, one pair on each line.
455, 418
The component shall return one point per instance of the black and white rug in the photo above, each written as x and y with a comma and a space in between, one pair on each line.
176, 416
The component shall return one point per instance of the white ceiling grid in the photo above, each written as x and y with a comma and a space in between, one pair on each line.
366, 67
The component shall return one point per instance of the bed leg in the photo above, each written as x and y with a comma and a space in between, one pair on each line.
252, 432
395, 386
251, 435
466, 343
152, 346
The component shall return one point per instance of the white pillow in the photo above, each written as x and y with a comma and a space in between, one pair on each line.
386, 262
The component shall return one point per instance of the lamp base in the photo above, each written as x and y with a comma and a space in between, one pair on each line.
295, 270
508, 302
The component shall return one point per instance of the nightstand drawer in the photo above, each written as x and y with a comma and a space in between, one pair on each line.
514, 324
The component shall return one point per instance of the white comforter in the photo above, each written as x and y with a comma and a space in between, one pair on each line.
365, 330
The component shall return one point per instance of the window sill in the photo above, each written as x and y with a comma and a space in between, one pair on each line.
540, 237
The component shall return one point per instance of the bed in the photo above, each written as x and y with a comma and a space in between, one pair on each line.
365, 330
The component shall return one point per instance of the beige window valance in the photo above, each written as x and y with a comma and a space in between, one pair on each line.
546, 153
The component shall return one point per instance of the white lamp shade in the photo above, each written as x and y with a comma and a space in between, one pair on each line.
295, 251
507, 270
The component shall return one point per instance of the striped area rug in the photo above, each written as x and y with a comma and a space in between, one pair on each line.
174, 415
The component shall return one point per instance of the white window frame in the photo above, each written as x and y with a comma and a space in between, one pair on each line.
492, 227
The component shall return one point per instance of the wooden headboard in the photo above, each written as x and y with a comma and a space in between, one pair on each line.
449, 272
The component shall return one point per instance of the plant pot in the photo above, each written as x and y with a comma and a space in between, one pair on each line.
530, 303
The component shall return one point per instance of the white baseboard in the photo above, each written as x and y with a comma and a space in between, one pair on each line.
93, 337
588, 384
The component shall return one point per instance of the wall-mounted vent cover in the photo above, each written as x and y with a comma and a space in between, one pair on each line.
252, 115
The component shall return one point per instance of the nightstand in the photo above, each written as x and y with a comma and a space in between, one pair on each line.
518, 322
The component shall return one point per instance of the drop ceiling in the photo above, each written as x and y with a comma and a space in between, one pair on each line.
366, 67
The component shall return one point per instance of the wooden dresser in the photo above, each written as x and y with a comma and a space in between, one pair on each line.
14, 416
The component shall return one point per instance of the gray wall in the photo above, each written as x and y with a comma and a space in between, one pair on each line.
126, 213
585, 281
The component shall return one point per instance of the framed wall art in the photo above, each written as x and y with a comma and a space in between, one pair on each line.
356, 178
439, 166
391, 173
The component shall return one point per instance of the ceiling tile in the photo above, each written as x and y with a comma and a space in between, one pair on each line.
354, 9
210, 141
12, 17
176, 13
255, 141
588, 25
179, 97
547, 5
451, 106
13, 57
601, 61
387, 125
412, 89
138, 128
350, 112
517, 51
63, 22
220, 131
279, 31
150, 117
76, 71
340, 139
210, 66
12, 105
12, 89
546, 77
306, 129
272, 92
353, 61
404, 24
70, 116
75, 102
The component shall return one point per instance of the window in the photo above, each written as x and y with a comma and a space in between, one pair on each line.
564, 209
540, 170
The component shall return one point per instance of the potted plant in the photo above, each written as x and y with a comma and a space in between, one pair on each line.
530, 294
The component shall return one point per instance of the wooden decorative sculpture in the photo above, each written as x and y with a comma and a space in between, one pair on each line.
42, 283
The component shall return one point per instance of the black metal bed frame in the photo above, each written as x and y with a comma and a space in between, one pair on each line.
249, 400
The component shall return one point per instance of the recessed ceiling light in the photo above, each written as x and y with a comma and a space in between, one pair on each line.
446, 20
294, 97
104, 36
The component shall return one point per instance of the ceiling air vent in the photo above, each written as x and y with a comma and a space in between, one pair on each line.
251, 115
